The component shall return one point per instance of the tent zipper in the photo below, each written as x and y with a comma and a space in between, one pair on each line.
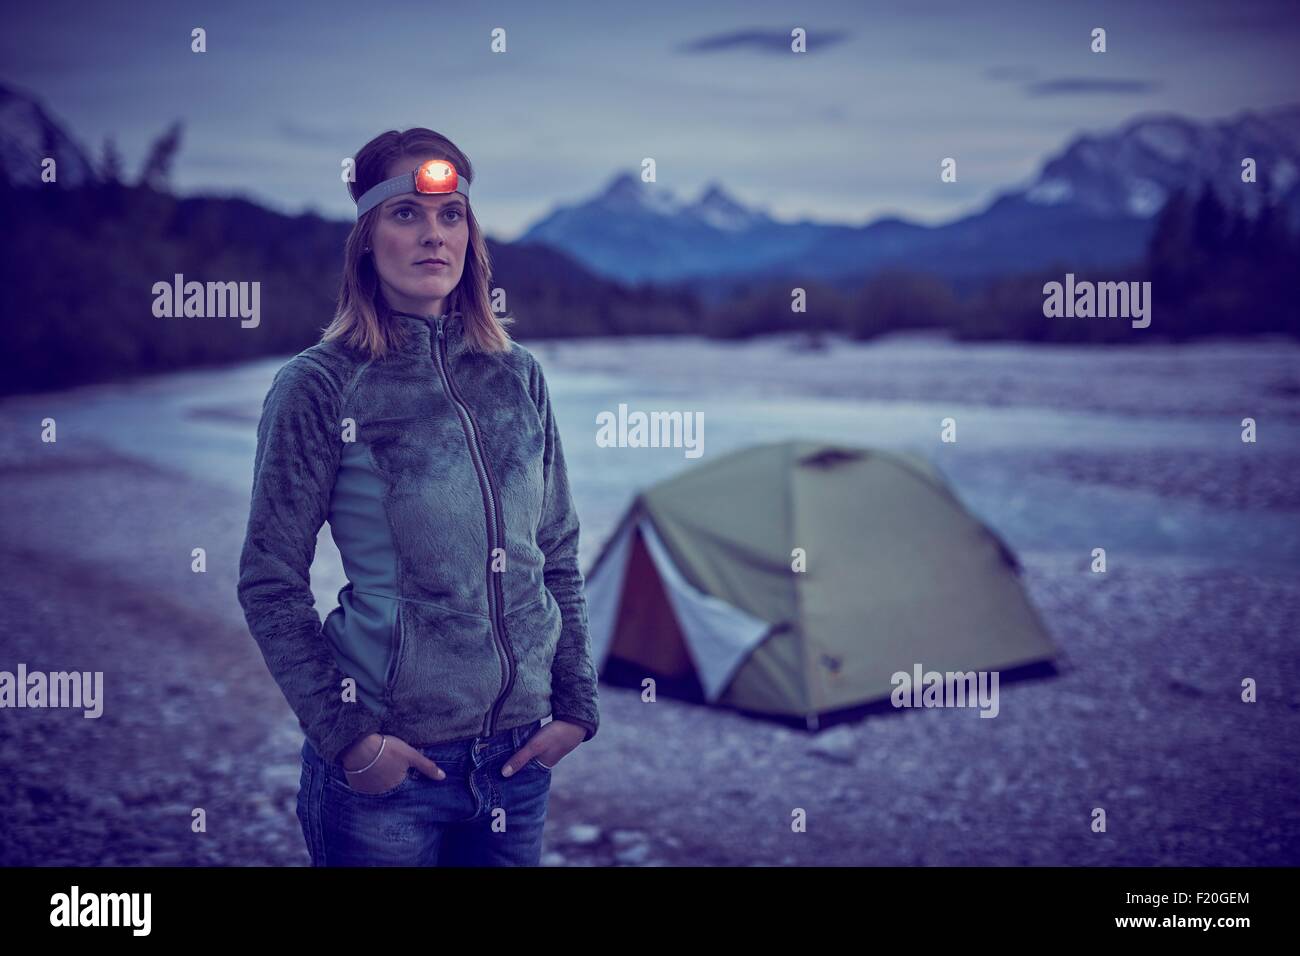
496, 598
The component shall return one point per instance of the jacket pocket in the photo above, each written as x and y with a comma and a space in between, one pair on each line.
534, 633
449, 672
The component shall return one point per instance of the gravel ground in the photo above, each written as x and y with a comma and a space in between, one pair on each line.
1145, 719
1249, 479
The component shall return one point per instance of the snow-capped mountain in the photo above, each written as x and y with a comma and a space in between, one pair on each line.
634, 231
1094, 203
1134, 170
28, 134
715, 207
719, 209
629, 195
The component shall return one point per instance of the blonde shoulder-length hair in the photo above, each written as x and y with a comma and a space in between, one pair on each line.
361, 320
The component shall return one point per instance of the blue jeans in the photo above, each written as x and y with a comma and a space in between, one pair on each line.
472, 817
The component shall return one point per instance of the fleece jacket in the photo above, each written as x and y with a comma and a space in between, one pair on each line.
441, 473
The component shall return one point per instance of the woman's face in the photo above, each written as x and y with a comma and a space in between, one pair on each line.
413, 227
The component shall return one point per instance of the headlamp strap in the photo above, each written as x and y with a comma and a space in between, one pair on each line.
434, 177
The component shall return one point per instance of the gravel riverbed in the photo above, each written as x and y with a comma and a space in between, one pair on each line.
1145, 718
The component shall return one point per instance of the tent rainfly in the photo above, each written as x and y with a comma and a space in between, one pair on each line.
700, 581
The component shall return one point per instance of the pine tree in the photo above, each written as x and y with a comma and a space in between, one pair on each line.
1208, 223
156, 170
110, 166
1170, 257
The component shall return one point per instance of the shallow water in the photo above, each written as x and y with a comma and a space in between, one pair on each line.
203, 423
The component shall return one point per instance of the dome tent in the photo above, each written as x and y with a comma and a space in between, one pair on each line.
696, 585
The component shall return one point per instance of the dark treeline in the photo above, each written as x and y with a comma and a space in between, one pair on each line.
81, 263
1212, 272
77, 284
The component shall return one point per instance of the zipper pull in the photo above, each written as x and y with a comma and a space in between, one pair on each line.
439, 326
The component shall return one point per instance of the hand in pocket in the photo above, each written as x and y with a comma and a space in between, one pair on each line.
391, 767
549, 745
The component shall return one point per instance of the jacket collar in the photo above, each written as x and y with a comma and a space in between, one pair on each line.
422, 331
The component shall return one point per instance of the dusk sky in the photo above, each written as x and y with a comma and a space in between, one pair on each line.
852, 130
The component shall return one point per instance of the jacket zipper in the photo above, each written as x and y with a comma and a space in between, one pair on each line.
496, 598
391, 677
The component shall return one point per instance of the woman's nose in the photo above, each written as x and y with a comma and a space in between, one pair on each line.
431, 233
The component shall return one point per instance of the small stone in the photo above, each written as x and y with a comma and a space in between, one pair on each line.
633, 854
221, 765
839, 745
105, 804
281, 776
583, 834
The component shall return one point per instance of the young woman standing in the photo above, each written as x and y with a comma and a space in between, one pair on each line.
426, 437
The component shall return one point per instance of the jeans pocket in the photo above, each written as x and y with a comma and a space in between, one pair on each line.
340, 780
525, 733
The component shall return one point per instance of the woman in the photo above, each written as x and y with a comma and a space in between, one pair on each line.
425, 436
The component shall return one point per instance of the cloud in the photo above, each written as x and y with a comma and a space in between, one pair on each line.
1069, 86
761, 41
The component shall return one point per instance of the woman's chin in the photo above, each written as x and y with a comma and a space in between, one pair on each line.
433, 288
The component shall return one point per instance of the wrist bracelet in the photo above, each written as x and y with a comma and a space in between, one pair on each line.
383, 741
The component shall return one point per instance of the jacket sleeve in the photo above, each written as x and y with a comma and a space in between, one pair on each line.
574, 694
298, 449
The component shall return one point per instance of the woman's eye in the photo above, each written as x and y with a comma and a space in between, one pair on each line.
450, 212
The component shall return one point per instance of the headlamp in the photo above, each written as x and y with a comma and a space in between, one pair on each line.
434, 177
